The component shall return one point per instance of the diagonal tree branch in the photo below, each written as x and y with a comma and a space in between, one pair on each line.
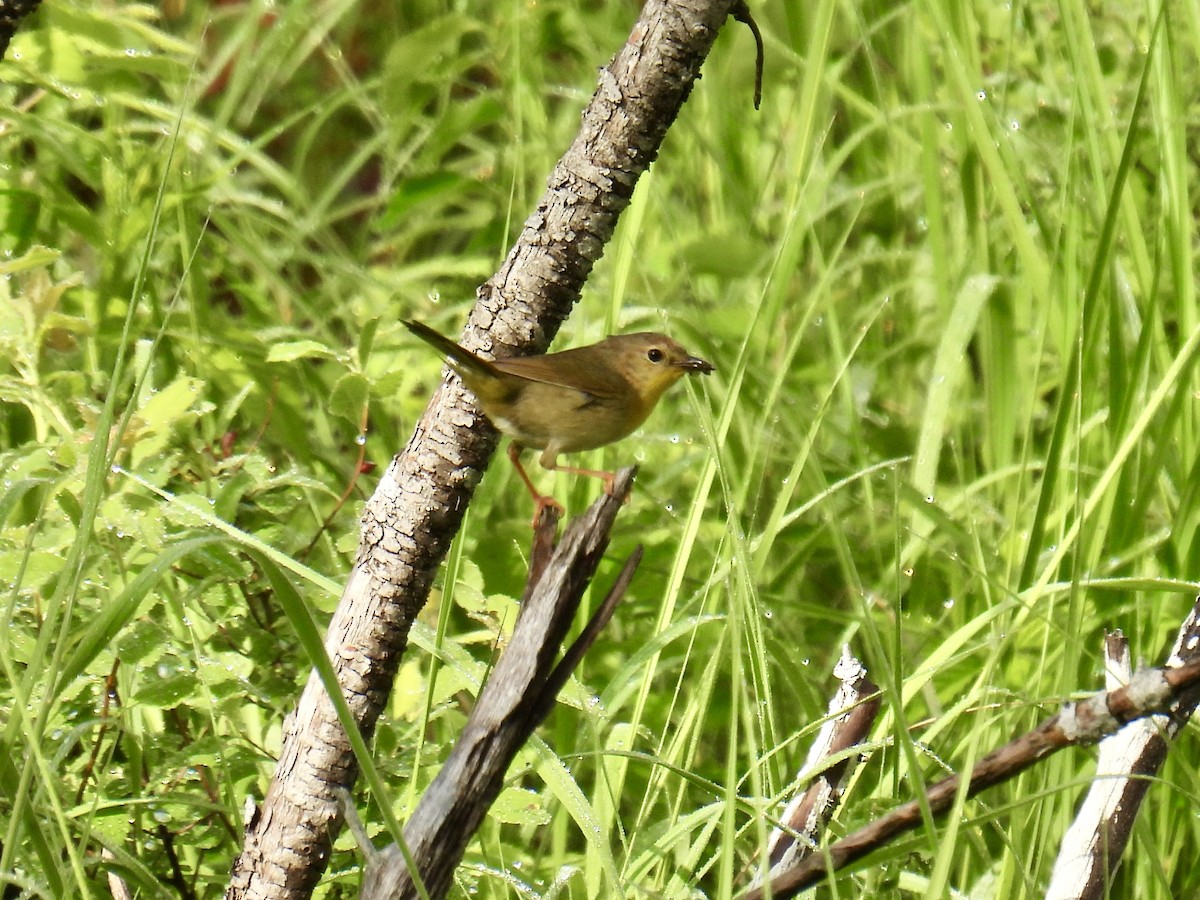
418, 506
520, 692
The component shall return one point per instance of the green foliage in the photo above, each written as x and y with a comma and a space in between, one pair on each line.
947, 277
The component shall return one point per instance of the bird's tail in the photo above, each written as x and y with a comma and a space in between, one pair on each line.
463, 360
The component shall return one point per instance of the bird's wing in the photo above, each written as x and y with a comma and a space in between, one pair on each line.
578, 374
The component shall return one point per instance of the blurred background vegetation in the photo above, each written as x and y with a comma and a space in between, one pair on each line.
946, 274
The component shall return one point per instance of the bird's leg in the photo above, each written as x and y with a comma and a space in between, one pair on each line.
550, 462
541, 501
607, 477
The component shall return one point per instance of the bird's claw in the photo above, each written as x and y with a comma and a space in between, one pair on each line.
543, 502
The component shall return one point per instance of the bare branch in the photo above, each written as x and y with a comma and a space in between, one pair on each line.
852, 712
518, 695
1092, 847
1150, 691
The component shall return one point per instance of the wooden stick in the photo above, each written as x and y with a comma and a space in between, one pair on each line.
517, 697
1150, 691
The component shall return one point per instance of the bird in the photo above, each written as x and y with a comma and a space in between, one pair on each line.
569, 401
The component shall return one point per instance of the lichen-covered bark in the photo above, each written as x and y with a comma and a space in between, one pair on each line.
418, 506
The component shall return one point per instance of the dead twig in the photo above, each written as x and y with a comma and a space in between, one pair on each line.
1149, 692
1091, 849
852, 712
519, 694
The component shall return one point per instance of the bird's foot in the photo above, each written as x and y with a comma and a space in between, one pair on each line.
546, 509
610, 485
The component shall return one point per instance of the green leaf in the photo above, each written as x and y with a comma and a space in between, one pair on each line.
289, 351
518, 806
116, 614
33, 258
366, 340
18, 218
349, 396
168, 692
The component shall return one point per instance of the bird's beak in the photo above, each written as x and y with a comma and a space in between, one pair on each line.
696, 364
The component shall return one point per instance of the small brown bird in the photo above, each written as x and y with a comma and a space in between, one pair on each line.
574, 400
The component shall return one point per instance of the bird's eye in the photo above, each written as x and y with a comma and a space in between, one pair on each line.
654, 355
